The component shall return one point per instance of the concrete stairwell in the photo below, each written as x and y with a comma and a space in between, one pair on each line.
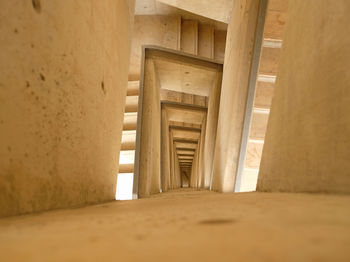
189, 36
193, 119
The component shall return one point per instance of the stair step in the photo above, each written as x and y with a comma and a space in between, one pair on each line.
189, 36
126, 168
127, 157
133, 88
128, 140
131, 104
269, 61
130, 121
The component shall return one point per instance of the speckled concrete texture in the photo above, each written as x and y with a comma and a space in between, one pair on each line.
307, 145
187, 226
63, 80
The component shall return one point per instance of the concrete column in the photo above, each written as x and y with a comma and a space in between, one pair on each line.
156, 138
238, 60
165, 151
196, 168
149, 149
194, 171
201, 162
211, 128
177, 178
63, 80
307, 144
172, 161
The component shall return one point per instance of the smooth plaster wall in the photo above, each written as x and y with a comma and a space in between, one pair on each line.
63, 79
307, 146
234, 91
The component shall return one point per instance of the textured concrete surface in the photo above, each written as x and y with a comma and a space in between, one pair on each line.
307, 144
234, 92
187, 226
63, 80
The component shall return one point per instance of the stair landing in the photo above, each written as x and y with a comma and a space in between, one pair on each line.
187, 226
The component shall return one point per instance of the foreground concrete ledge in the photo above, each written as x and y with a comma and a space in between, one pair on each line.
203, 225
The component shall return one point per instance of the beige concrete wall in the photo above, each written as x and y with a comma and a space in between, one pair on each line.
307, 144
238, 58
63, 80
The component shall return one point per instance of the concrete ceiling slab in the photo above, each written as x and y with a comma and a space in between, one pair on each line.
184, 78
